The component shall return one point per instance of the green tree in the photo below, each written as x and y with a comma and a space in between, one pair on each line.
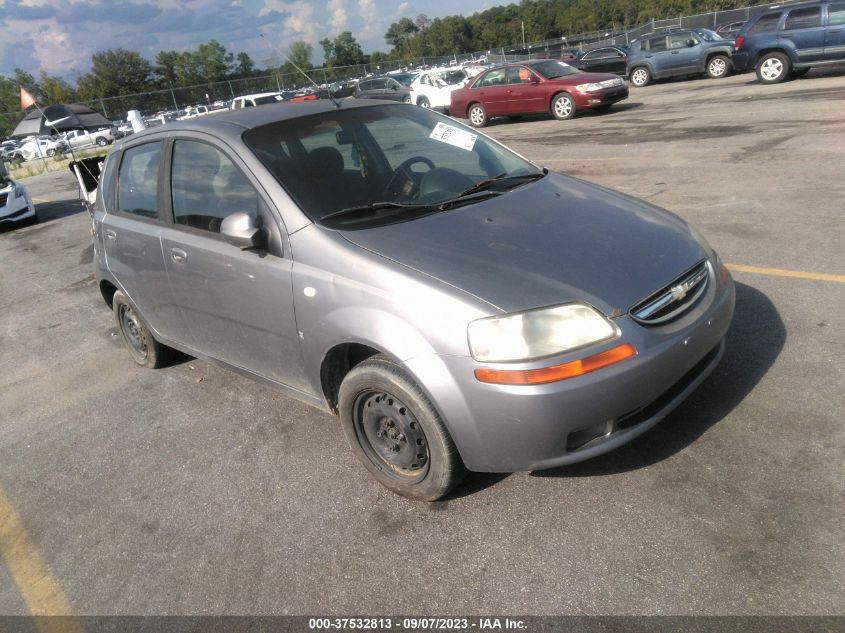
399, 34
115, 72
56, 90
245, 66
212, 62
342, 51
165, 68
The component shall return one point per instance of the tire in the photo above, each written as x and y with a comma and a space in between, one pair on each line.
795, 73
773, 68
51, 152
640, 77
423, 102
396, 433
406, 99
718, 66
142, 346
563, 106
477, 115
102, 142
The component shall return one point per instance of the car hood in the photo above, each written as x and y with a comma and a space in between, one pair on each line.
553, 241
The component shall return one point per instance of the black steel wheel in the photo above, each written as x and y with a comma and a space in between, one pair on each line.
396, 433
142, 346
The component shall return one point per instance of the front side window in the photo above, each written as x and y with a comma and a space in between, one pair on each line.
679, 40
381, 164
519, 75
207, 186
836, 13
138, 180
806, 18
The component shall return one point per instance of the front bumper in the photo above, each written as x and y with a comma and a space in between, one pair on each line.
15, 209
600, 98
508, 428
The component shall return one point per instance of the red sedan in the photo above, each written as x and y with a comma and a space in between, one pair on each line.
536, 87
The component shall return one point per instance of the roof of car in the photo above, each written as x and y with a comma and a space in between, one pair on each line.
235, 122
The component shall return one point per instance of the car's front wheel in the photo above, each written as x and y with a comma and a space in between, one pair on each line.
423, 102
51, 152
640, 76
144, 349
396, 433
563, 106
102, 142
406, 99
773, 68
718, 66
477, 115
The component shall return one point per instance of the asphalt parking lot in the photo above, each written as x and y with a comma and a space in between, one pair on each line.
194, 490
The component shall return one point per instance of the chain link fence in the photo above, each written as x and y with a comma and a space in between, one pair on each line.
178, 98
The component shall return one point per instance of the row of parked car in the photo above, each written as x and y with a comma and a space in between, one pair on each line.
34, 147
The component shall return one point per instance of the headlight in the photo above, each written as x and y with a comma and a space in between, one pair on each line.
582, 88
20, 192
538, 333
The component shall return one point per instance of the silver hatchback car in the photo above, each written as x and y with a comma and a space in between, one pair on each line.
459, 307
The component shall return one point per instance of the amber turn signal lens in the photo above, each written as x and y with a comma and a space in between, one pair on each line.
555, 373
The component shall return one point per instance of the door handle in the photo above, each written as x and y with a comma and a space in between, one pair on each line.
110, 235
179, 256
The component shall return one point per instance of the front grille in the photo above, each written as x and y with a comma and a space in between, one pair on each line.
675, 298
3, 198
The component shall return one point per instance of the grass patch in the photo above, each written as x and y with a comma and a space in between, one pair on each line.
57, 162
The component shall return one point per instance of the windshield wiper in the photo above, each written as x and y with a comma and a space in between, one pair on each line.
375, 206
502, 179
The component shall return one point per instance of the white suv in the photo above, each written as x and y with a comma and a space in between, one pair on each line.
260, 98
433, 88
15, 203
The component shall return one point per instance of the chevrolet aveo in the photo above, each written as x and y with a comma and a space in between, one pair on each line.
457, 306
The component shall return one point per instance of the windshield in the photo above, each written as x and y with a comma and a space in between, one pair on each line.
451, 77
406, 79
393, 157
708, 35
265, 100
552, 69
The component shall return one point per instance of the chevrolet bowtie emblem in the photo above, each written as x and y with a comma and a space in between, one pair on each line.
680, 291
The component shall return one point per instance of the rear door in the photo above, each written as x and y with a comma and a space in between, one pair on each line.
803, 27
834, 39
236, 305
131, 238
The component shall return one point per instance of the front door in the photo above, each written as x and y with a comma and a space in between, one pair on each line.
524, 95
685, 54
236, 304
834, 39
803, 27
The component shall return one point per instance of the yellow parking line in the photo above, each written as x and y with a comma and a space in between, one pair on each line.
37, 586
780, 272
575, 159
41, 200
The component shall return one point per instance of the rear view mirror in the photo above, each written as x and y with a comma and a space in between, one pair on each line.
240, 229
343, 137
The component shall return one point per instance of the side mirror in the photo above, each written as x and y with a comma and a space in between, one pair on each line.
240, 230
690, 42
534, 79
394, 87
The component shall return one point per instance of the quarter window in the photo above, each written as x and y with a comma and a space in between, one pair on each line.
836, 13
138, 181
803, 18
207, 187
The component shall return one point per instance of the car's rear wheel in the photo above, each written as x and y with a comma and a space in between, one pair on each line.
423, 102
406, 99
640, 76
477, 115
773, 68
718, 66
563, 106
102, 142
143, 348
51, 152
396, 433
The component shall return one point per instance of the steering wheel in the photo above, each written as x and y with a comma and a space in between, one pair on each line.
404, 169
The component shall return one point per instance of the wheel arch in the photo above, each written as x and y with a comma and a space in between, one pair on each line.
773, 49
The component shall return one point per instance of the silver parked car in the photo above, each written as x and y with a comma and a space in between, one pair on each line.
458, 306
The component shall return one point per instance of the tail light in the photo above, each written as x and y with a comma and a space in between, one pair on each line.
739, 41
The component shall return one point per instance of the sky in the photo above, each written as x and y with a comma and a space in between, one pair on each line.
59, 36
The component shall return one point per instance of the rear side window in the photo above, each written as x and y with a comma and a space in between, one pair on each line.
655, 44
806, 18
138, 180
766, 24
207, 187
492, 78
836, 13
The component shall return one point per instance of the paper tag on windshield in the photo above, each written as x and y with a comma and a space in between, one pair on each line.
453, 136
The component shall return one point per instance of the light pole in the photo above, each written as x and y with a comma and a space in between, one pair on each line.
523, 33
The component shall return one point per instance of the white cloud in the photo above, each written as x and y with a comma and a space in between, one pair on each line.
402, 9
369, 13
337, 10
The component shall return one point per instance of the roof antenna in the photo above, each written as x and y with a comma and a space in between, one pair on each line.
290, 61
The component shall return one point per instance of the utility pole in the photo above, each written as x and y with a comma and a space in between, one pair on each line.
523, 34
